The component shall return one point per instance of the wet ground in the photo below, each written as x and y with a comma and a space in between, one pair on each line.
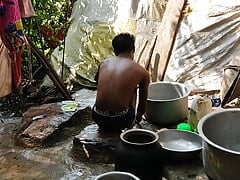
56, 162
43, 163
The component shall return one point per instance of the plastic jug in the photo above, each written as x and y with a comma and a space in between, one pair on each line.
200, 107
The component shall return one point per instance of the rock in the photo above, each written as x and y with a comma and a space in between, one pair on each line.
95, 146
99, 147
43, 131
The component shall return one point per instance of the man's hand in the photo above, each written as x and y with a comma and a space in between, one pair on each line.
138, 118
136, 123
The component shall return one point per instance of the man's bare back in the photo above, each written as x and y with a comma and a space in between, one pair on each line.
118, 79
117, 85
118, 82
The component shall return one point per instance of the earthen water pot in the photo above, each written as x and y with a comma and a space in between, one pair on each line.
140, 153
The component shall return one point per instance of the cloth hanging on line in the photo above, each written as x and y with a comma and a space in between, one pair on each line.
5, 71
26, 8
11, 32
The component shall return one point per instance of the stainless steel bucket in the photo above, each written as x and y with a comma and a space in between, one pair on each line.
220, 132
167, 103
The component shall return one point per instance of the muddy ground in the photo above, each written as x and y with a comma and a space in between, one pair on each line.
41, 163
54, 162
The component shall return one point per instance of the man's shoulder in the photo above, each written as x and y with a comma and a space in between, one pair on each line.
140, 68
140, 72
105, 61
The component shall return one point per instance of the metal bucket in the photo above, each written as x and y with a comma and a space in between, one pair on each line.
220, 132
167, 103
116, 175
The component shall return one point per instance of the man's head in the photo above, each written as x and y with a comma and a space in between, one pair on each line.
123, 43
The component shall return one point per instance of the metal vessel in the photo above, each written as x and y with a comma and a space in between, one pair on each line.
167, 103
220, 132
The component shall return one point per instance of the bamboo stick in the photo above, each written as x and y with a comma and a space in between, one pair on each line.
148, 61
142, 50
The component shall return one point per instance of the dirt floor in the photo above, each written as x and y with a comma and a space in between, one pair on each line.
39, 163
56, 162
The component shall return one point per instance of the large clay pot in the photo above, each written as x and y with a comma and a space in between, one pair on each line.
140, 153
116, 175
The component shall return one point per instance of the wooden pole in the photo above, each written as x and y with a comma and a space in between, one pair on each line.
142, 50
167, 34
155, 68
174, 33
50, 71
149, 57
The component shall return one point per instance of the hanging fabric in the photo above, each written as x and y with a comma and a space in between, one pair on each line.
5, 71
11, 32
26, 8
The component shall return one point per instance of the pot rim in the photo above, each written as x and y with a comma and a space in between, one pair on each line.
169, 100
139, 130
205, 138
180, 151
117, 172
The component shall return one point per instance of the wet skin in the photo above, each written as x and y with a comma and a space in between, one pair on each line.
118, 79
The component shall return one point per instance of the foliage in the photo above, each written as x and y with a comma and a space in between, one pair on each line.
51, 16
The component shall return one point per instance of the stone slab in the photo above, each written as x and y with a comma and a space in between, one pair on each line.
33, 133
95, 146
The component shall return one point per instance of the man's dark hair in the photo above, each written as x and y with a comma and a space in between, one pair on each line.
123, 42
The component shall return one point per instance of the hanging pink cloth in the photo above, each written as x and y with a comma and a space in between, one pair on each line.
5, 71
26, 8
11, 32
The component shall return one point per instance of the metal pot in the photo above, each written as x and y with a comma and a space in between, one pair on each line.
220, 132
116, 175
167, 103
180, 145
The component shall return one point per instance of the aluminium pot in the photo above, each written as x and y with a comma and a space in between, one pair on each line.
220, 132
139, 153
167, 103
180, 145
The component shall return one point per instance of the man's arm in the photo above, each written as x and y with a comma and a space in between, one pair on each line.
143, 93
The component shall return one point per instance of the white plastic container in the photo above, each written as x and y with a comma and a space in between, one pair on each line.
200, 107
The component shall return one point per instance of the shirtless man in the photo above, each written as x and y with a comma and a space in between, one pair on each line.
118, 79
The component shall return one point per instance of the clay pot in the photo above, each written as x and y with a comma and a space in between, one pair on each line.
140, 153
116, 175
